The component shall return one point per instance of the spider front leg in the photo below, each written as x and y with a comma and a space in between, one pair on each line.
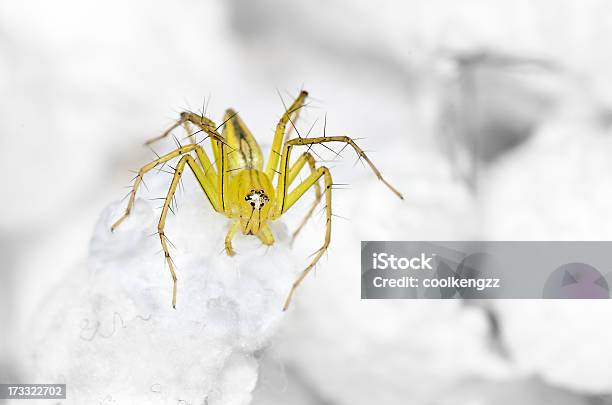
279, 133
291, 199
282, 178
285, 201
306, 157
208, 190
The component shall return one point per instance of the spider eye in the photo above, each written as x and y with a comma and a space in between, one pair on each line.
246, 198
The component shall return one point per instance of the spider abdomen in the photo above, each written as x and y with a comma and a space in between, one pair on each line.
245, 152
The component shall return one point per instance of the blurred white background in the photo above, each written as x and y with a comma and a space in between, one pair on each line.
492, 117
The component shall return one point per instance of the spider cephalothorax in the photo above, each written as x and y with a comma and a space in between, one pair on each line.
238, 186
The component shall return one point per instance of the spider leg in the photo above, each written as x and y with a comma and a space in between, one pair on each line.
209, 171
143, 170
306, 157
210, 194
279, 134
169, 156
220, 153
233, 228
207, 125
198, 120
293, 119
265, 235
282, 183
291, 199
206, 179
204, 124
189, 131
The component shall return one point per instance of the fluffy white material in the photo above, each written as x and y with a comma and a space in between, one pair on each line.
110, 333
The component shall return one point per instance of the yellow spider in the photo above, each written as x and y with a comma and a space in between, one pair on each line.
236, 184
